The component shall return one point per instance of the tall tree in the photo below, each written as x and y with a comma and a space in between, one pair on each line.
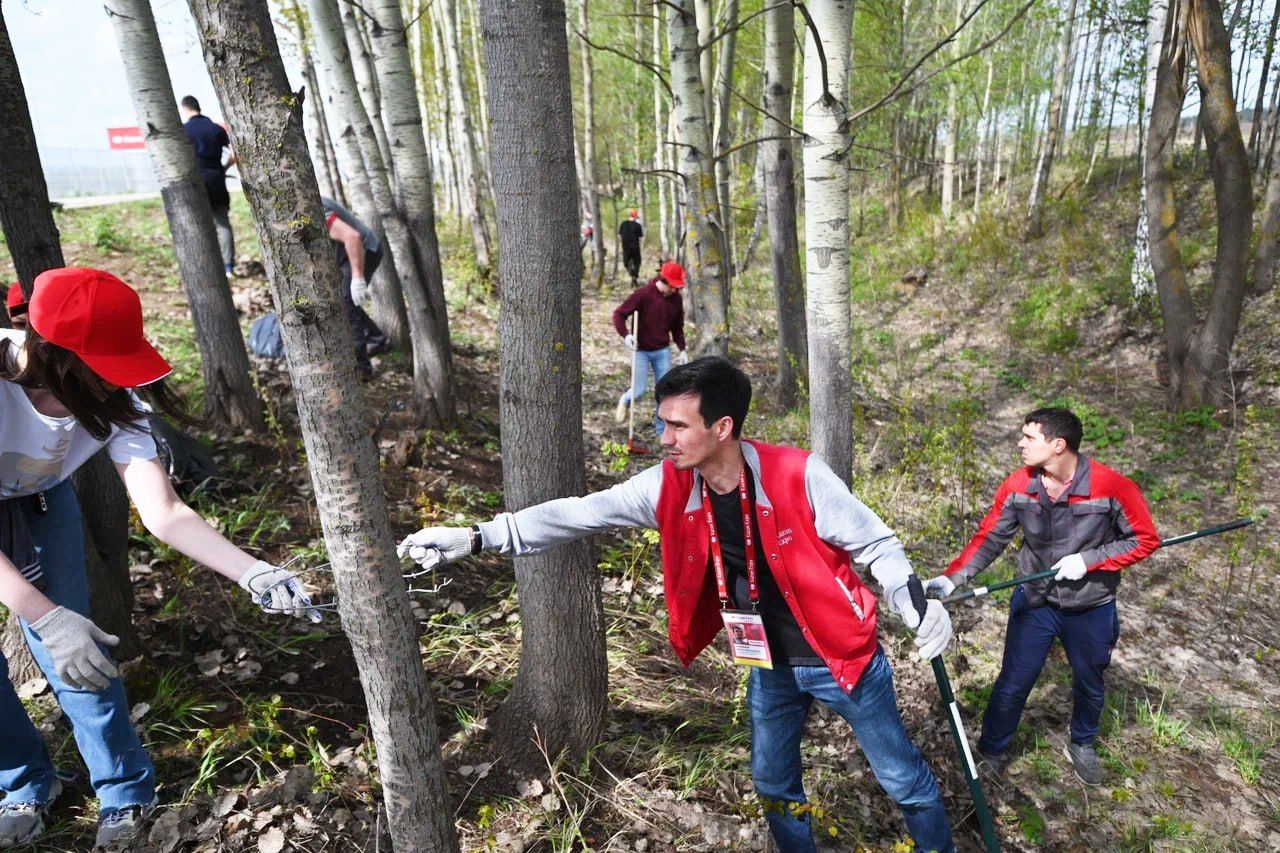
230, 401
708, 261
562, 686
415, 198
952, 129
473, 209
432, 400
723, 131
1255, 131
1198, 353
589, 148
826, 230
1142, 276
34, 245
244, 61
777, 154
1264, 261
1061, 77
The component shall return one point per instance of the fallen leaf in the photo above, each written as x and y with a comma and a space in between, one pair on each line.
271, 841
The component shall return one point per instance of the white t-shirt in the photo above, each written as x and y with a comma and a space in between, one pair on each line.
38, 452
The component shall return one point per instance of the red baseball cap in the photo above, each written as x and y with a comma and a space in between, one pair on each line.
99, 318
672, 273
16, 300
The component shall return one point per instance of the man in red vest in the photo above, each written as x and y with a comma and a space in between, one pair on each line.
759, 538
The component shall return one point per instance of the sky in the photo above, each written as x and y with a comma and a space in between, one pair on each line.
73, 75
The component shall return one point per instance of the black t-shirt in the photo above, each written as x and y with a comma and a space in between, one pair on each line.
786, 642
631, 232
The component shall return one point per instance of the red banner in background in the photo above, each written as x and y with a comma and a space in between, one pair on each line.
126, 139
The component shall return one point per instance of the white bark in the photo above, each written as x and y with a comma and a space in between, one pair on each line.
826, 184
229, 400
1057, 109
706, 261
949, 147
660, 137
590, 185
428, 314
723, 127
983, 138
472, 197
1142, 279
366, 82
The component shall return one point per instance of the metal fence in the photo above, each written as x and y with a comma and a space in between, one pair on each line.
73, 172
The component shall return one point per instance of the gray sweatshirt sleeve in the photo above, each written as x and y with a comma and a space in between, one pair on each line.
632, 503
846, 522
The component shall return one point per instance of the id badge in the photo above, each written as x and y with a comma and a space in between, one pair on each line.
747, 641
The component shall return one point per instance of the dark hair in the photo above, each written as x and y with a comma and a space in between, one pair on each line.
722, 389
61, 372
191, 103
1057, 422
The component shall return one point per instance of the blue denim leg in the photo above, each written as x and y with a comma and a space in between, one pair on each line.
26, 774
778, 711
1027, 641
119, 768
657, 360
660, 362
872, 710
1088, 638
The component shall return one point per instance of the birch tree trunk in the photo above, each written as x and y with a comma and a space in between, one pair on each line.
562, 686
472, 197
1061, 76
33, 244
949, 148
1142, 277
665, 210
1264, 262
983, 137
432, 392
777, 155
230, 402
244, 61
589, 149
826, 228
415, 198
723, 138
360, 59
707, 263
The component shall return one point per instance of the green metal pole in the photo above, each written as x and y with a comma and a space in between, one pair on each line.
957, 730
980, 591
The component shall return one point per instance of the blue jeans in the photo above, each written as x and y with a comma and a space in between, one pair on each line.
1088, 636
660, 361
779, 700
119, 768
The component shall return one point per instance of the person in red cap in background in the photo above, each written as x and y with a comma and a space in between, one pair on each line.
70, 385
631, 232
659, 321
15, 302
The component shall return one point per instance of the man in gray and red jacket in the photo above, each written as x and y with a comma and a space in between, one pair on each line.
1087, 522
760, 537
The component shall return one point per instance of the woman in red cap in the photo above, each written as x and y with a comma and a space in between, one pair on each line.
69, 386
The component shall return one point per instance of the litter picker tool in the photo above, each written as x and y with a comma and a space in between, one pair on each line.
978, 592
989, 838
633, 446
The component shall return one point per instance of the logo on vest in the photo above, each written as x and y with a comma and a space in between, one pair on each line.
784, 536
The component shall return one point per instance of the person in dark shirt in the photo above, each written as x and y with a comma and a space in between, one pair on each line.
208, 140
357, 251
659, 314
631, 232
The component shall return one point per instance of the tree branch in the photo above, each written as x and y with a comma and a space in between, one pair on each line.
648, 66
741, 145
822, 54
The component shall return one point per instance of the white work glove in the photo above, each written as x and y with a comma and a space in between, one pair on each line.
360, 292
1070, 568
278, 591
682, 357
72, 642
933, 632
630, 341
942, 585
435, 546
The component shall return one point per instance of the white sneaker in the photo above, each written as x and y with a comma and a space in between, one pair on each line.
22, 823
620, 413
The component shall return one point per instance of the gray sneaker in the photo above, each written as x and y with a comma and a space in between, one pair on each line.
121, 825
992, 767
1085, 762
22, 823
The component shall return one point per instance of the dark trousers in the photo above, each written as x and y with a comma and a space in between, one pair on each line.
364, 331
631, 259
1087, 636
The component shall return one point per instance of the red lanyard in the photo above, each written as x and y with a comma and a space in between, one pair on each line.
717, 557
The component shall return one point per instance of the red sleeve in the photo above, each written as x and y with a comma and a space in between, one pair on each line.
623, 311
994, 533
1138, 536
329, 216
